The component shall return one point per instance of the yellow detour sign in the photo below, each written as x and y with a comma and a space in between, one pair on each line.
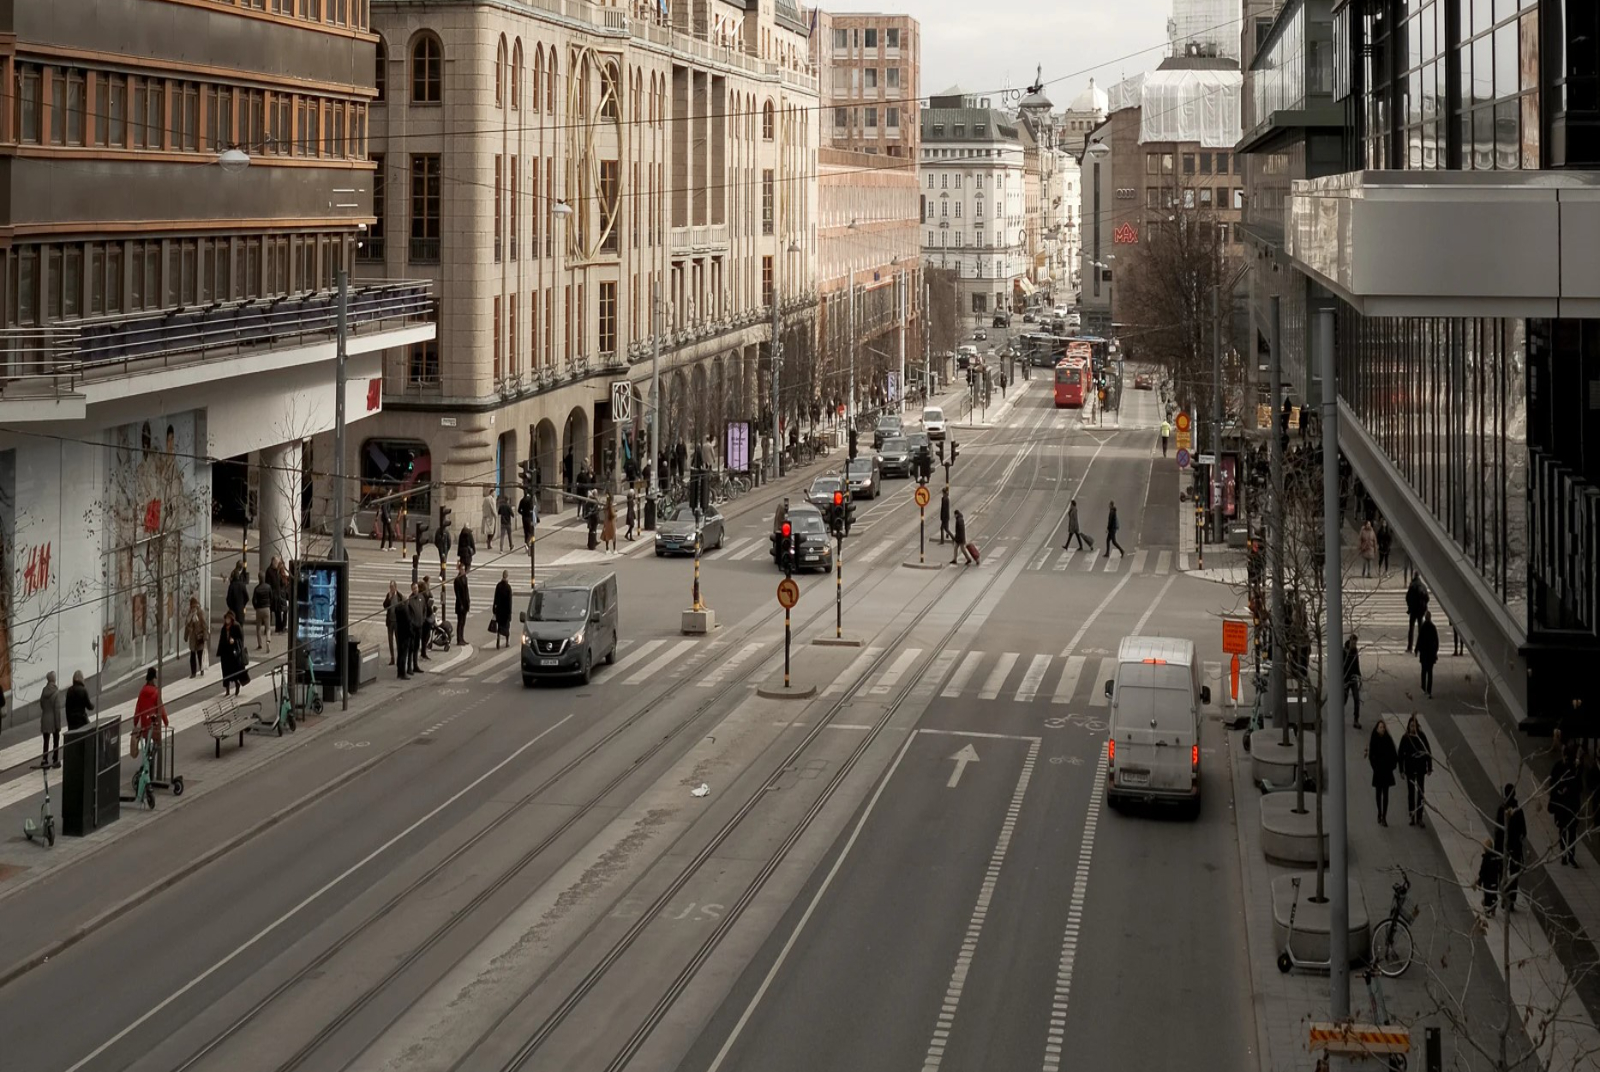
922, 495
1357, 1040
788, 593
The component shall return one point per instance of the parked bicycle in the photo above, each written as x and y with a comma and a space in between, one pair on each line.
1392, 944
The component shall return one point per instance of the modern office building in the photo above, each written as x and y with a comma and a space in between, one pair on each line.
1450, 263
181, 185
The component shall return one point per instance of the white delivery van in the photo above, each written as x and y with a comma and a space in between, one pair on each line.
1154, 749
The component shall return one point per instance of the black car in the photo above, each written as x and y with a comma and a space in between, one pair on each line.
675, 535
888, 426
920, 447
1001, 320
1029, 318
896, 457
812, 546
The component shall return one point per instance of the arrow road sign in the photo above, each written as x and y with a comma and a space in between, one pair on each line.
962, 758
922, 495
788, 593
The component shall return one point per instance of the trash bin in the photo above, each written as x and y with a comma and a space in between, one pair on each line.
93, 760
352, 666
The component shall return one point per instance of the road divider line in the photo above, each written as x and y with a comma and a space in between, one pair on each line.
1055, 1034
1087, 622
1032, 678
944, 1024
1154, 603
1069, 679
660, 663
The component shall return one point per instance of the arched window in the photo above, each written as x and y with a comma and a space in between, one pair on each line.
427, 70
380, 71
500, 73
516, 75
538, 76
550, 85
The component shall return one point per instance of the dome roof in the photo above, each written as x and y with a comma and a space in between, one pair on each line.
1092, 99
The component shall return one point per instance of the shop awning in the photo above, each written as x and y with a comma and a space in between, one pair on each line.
1024, 286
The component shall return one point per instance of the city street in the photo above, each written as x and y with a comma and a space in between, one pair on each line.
526, 880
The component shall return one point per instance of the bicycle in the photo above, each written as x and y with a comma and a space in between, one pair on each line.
1392, 943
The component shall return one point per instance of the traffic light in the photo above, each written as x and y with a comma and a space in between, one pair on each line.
955, 451
525, 477
444, 518
786, 549
852, 444
836, 516
941, 451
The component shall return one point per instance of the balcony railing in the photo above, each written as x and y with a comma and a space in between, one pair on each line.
371, 248
424, 251
61, 358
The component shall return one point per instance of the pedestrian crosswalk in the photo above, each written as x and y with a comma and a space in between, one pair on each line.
1003, 676
1141, 560
1379, 619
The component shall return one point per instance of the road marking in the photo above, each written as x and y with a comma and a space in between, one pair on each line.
1164, 562
1069, 679
755, 545
1183, 561
981, 735
1088, 562
634, 656
1043, 557
1137, 565
1032, 679
968, 754
1154, 603
1066, 558
870, 553
731, 663
997, 677
896, 671
860, 663
963, 674
740, 547
661, 662
317, 894
1108, 670
1113, 563
929, 680
945, 1022
1087, 622
1055, 1036
494, 663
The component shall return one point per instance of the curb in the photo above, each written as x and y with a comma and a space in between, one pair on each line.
763, 692
1257, 996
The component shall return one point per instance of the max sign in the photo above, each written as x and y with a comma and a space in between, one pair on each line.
1125, 235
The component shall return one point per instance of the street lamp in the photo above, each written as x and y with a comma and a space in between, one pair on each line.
233, 160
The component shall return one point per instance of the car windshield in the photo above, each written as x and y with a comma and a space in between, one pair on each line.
807, 523
932, 415
894, 445
917, 440
684, 512
558, 605
826, 485
887, 423
861, 467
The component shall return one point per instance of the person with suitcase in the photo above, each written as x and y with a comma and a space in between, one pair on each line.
962, 547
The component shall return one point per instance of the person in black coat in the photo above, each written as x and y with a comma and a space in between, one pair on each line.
233, 655
505, 523
385, 528
417, 618
1416, 607
1427, 651
1383, 759
466, 547
1510, 836
399, 612
463, 604
238, 595
393, 605
502, 609
944, 515
1416, 763
78, 703
1352, 675
961, 540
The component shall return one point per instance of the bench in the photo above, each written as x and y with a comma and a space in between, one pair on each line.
227, 716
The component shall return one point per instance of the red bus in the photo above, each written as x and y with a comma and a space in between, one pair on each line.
1072, 379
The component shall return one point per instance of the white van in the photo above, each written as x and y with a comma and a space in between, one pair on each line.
1154, 749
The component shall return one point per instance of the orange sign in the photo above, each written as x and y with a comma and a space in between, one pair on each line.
1183, 422
788, 593
1235, 636
922, 495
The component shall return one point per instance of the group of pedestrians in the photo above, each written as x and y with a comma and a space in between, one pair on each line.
1074, 532
1373, 543
1412, 756
53, 703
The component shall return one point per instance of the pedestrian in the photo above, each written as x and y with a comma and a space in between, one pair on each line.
631, 516
490, 514
441, 543
261, 604
430, 618
608, 530
527, 510
1073, 532
1166, 433
385, 528
393, 605
1385, 542
278, 578
960, 538
463, 604
1381, 756
591, 515
417, 616
237, 598
1455, 634
195, 630
1416, 763
467, 546
400, 613
1510, 838
149, 713
1566, 801
50, 722
1112, 525
1416, 607
505, 513
1367, 544
1488, 876
78, 703
1427, 650
1352, 675
502, 610
944, 514
233, 655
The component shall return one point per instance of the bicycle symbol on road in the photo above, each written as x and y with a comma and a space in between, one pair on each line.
1082, 722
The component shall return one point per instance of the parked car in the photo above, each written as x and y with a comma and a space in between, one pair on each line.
894, 457
865, 476
889, 426
812, 549
675, 535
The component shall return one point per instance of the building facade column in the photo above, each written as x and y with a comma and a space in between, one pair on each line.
281, 483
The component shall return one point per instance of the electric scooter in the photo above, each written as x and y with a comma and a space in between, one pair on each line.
1287, 961
45, 826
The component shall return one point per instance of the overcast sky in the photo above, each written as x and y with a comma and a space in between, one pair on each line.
979, 44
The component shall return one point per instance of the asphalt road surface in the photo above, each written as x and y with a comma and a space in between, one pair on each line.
911, 869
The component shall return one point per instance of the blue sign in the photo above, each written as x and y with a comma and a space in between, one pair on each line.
1183, 458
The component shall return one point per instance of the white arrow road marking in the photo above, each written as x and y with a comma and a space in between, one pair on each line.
968, 754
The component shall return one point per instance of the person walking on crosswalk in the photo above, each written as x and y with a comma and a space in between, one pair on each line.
1112, 525
1073, 532
1416, 609
944, 515
961, 541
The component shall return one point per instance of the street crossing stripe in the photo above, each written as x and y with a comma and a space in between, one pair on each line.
1066, 558
997, 676
963, 674
869, 554
634, 656
1069, 679
860, 663
1183, 561
1032, 678
1097, 694
1088, 562
757, 544
720, 672
1163, 561
1137, 565
661, 662
490, 663
739, 547
929, 680
896, 671
1111, 563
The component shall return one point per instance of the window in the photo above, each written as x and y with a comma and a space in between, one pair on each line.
425, 193
516, 98
118, 111
511, 335
1238, 197
958, 180
371, 248
930, 238
841, 39
495, 331
500, 73
1166, 163
1205, 163
1205, 197
766, 121
1188, 163
515, 193
841, 118
766, 282
423, 364
892, 37
958, 210
427, 70
768, 195
871, 115
77, 105
930, 180
944, 181
608, 318
499, 201
381, 71
891, 117
870, 38
893, 77
871, 75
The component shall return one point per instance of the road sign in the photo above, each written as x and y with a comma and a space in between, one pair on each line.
788, 593
1183, 458
1183, 422
1235, 636
1360, 1039
1206, 459
621, 400
1184, 442
922, 495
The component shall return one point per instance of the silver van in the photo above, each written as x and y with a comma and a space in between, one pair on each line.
1154, 750
569, 625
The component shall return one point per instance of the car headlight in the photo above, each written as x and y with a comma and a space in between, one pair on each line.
524, 639
578, 638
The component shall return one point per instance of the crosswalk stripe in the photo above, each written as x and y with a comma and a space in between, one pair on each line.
860, 663
933, 677
738, 547
720, 673
1069, 679
1113, 563
660, 663
1183, 561
490, 664
870, 553
1137, 565
758, 543
963, 674
1164, 562
1032, 679
896, 671
1088, 562
634, 656
1097, 694
1066, 558
997, 677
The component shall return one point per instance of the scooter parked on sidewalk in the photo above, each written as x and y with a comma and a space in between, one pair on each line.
1287, 960
45, 826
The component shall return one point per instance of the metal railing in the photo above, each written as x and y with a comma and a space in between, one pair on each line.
57, 359
424, 251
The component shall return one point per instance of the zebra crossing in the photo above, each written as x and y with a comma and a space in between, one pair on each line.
1014, 676
1379, 618
1141, 560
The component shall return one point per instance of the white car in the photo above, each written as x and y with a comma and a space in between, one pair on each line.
933, 422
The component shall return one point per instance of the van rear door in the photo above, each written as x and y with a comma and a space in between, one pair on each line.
1154, 726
